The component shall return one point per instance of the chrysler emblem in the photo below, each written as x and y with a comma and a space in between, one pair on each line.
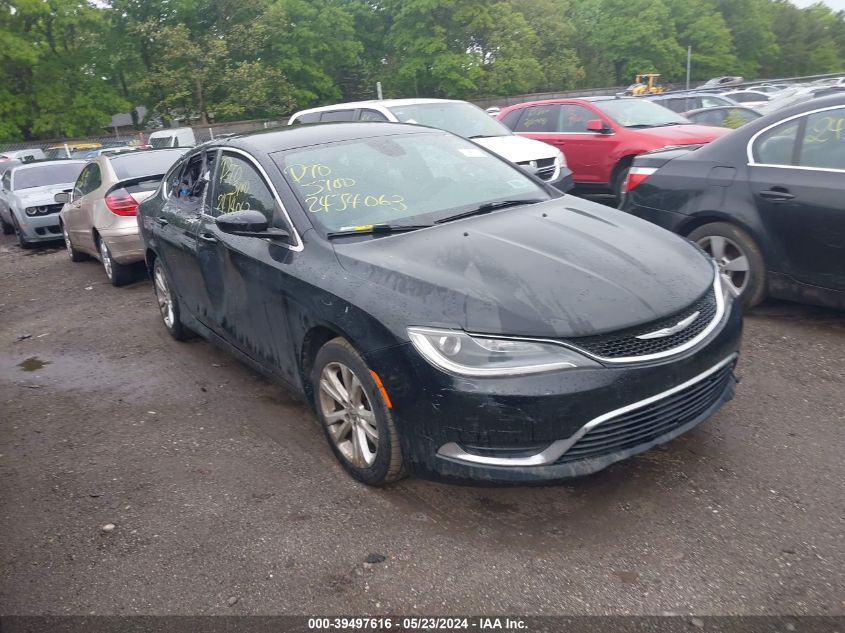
672, 329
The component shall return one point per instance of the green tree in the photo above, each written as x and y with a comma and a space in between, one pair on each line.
700, 25
751, 26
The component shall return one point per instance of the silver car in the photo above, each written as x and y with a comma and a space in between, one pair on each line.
27, 204
98, 218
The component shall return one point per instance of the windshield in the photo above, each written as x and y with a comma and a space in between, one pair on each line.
458, 117
403, 179
44, 175
639, 113
149, 163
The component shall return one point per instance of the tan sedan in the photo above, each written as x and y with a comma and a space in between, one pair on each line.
98, 218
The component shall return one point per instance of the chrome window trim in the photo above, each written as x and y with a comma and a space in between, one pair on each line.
299, 246
717, 319
750, 154
558, 448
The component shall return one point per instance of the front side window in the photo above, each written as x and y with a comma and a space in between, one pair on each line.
7, 181
238, 187
777, 146
574, 119
540, 119
823, 144
402, 179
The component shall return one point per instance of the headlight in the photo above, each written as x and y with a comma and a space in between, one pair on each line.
560, 161
31, 210
460, 353
42, 210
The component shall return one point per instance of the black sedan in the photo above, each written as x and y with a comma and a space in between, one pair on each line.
444, 311
767, 202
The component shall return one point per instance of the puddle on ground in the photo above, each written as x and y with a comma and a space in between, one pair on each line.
33, 363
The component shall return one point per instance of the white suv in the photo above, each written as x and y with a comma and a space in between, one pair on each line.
459, 117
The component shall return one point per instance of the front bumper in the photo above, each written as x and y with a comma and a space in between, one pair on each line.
124, 243
527, 428
39, 228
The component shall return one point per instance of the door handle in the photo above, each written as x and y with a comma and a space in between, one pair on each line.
208, 237
162, 222
778, 195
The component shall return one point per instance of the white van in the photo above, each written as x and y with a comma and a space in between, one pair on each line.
459, 117
23, 155
173, 137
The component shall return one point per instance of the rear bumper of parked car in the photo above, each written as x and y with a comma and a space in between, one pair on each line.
39, 228
124, 243
553, 426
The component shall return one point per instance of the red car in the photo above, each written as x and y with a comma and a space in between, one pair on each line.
600, 136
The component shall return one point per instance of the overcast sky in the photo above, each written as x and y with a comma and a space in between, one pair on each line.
836, 5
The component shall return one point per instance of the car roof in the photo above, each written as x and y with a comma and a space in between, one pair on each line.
285, 138
351, 105
39, 163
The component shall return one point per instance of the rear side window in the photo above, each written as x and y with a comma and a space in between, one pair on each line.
574, 119
89, 179
539, 119
337, 115
776, 146
823, 144
310, 117
239, 186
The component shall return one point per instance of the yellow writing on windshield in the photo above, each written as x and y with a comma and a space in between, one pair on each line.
325, 192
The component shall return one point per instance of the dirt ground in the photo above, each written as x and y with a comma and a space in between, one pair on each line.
225, 498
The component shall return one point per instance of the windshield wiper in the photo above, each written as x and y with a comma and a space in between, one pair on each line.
376, 229
487, 207
485, 136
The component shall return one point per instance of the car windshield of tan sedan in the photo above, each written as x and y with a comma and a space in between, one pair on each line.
634, 113
416, 178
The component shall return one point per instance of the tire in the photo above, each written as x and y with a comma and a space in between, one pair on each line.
118, 274
738, 257
75, 255
7, 228
24, 243
351, 410
168, 303
619, 182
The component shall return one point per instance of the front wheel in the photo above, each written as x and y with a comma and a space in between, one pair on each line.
355, 418
75, 255
168, 304
24, 243
619, 184
739, 260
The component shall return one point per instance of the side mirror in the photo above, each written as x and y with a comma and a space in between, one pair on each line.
62, 198
248, 223
597, 125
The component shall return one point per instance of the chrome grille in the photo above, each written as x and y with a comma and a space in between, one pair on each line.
625, 344
648, 423
545, 167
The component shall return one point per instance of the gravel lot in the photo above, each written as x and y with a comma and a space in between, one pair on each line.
225, 498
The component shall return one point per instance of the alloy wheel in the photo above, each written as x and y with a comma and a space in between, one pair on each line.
348, 414
732, 261
165, 300
105, 256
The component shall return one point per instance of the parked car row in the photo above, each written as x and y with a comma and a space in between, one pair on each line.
415, 272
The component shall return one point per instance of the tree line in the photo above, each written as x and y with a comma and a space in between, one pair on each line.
67, 65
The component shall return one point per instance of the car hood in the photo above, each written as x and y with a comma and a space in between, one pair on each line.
562, 268
683, 134
36, 196
517, 149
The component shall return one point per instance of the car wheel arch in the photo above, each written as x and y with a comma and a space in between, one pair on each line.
709, 217
314, 339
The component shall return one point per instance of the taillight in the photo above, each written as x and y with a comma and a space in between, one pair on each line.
120, 202
636, 176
